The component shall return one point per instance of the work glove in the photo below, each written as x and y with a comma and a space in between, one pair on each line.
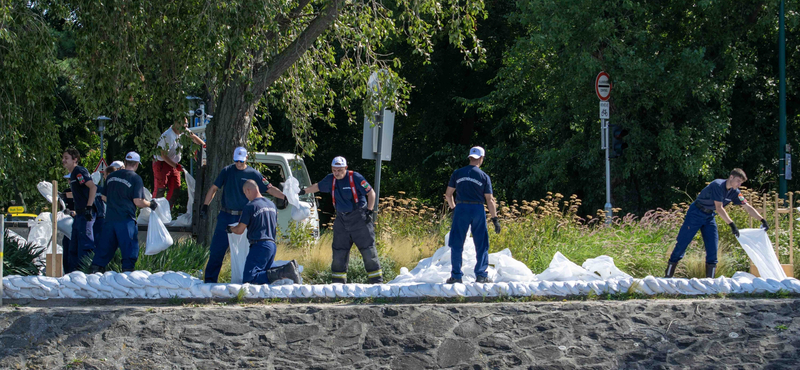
204, 211
179, 167
302, 192
369, 215
764, 225
496, 223
87, 214
153, 205
228, 229
734, 229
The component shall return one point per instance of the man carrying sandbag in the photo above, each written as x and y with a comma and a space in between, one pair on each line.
83, 192
124, 192
700, 216
353, 198
472, 187
231, 179
260, 219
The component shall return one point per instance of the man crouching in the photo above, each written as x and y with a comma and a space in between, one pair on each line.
260, 219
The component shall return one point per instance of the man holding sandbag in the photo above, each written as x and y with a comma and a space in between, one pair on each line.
260, 219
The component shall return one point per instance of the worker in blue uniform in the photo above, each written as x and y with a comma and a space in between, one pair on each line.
260, 219
472, 188
700, 216
353, 198
84, 191
231, 180
124, 192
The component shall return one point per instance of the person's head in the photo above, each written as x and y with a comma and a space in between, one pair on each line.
180, 125
132, 161
736, 178
250, 189
118, 165
339, 167
109, 170
240, 158
70, 157
476, 156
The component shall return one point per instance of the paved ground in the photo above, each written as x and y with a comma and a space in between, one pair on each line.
635, 334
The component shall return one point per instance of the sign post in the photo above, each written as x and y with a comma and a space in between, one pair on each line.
602, 87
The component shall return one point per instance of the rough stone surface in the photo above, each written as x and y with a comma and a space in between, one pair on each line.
637, 334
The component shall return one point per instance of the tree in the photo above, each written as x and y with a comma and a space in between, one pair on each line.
138, 59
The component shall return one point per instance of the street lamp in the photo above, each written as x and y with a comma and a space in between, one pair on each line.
101, 127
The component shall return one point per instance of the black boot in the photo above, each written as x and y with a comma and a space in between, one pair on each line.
95, 269
338, 281
287, 271
670, 269
711, 270
453, 280
376, 280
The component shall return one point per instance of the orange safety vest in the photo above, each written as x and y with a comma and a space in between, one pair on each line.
352, 188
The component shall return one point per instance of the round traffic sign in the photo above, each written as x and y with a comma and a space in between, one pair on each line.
602, 86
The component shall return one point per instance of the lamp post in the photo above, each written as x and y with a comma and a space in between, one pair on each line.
101, 127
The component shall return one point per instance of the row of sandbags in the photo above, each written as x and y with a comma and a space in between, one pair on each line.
141, 284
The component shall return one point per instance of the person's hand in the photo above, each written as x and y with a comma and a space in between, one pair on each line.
228, 229
153, 205
764, 225
370, 215
204, 211
302, 192
496, 223
87, 214
179, 167
734, 229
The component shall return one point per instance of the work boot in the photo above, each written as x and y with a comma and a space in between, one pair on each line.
483, 279
339, 281
375, 280
287, 271
453, 280
670, 269
711, 270
128, 270
95, 269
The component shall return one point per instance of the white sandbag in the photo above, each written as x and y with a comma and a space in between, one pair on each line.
604, 267
240, 247
64, 224
41, 230
158, 238
758, 247
291, 187
144, 213
163, 210
562, 269
46, 189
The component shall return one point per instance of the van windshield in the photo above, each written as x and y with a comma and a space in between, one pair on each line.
300, 172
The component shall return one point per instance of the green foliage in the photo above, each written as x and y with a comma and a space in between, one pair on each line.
185, 255
297, 236
356, 273
21, 258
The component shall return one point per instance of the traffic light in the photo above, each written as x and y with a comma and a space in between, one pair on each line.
617, 142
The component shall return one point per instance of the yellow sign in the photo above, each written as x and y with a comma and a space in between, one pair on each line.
16, 209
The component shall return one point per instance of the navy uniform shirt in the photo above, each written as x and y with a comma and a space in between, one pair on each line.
261, 218
77, 184
231, 180
471, 184
716, 191
343, 193
100, 205
122, 187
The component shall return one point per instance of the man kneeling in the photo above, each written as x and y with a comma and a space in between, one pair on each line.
259, 218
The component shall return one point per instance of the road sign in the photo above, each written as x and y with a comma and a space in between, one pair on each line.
604, 110
602, 86
101, 166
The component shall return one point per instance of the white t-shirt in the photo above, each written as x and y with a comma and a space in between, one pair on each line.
169, 142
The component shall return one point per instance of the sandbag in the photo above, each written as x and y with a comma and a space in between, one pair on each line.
158, 238
46, 189
758, 247
186, 218
163, 210
240, 247
65, 224
144, 213
290, 189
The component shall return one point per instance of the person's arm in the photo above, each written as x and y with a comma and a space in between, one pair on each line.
210, 194
196, 139
166, 158
752, 212
448, 196
311, 189
141, 203
722, 212
490, 203
239, 229
275, 192
92, 193
371, 198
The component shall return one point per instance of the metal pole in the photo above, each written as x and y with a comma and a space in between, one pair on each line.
607, 208
377, 187
2, 248
102, 178
782, 128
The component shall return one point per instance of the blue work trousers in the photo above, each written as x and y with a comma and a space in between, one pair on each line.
219, 246
98, 230
464, 216
704, 222
123, 235
259, 260
81, 243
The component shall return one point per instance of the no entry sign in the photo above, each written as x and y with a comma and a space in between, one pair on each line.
602, 86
